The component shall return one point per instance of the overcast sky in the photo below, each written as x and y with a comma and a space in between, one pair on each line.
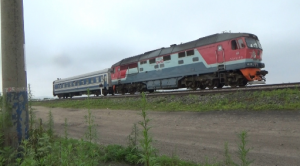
70, 37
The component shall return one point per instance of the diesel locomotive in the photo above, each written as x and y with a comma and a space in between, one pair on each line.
226, 59
230, 59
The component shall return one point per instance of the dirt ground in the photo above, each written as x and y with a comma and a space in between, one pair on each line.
274, 136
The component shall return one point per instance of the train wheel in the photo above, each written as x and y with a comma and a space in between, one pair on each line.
213, 84
105, 92
123, 91
194, 85
233, 84
242, 82
150, 91
220, 85
132, 91
202, 87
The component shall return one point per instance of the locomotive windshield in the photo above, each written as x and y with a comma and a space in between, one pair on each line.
253, 43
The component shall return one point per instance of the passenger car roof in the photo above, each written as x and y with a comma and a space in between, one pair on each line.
82, 76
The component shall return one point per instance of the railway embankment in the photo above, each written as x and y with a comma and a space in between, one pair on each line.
281, 99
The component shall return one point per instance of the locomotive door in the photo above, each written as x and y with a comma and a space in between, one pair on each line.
220, 57
220, 54
118, 72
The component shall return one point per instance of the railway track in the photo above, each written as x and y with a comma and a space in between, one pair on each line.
200, 92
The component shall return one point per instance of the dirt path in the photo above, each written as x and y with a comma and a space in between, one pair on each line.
274, 136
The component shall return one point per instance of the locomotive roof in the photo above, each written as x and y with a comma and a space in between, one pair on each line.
82, 76
184, 46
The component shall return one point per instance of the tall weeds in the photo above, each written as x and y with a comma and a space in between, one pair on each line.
91, 133
148, 152
50, 125
228, 160
133, 137
243, 151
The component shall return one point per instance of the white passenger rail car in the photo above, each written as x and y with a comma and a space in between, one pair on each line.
96, 82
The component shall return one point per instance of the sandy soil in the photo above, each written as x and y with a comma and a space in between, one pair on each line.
274, 136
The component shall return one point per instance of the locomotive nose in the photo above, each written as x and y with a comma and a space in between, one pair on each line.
254, 75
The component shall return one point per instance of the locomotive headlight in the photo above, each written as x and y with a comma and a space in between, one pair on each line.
249, 64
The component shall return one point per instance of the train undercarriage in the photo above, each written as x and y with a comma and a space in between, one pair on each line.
235, 78
105, 91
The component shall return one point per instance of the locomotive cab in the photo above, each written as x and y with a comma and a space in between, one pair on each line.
252, 71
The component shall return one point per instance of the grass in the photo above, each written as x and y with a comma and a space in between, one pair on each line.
283, 99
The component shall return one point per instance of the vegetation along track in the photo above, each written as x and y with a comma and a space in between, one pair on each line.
203, 92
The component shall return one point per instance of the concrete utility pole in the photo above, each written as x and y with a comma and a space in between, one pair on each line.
14, 81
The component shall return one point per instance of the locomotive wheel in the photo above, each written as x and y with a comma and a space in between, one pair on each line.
123, 91
233, 84
105, 92
202, 87
194, 85
132, 91
150, 91
214, 83
220, 85
243, 82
